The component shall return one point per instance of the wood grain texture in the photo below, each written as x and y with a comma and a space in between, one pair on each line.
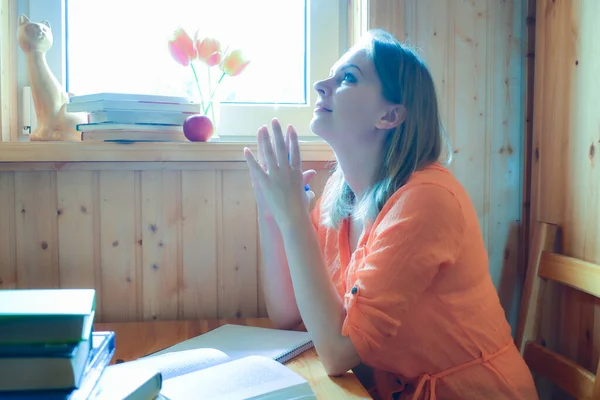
475, 51
136, 339
565, 178
155, 243
140, 152
8, 255
569, 376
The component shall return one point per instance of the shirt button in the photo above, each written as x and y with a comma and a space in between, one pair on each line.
354, 290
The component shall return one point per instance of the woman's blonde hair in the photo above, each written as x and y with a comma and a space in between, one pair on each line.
418, 142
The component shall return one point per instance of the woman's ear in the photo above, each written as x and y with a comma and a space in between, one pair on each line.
393, 117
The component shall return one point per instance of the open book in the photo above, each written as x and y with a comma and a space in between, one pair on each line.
231, 362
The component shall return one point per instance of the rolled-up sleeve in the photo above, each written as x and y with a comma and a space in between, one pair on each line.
417, 233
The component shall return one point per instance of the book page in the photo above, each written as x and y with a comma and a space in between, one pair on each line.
179, 363
246, 378
239, 341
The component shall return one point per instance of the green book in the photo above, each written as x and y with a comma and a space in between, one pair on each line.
46, 316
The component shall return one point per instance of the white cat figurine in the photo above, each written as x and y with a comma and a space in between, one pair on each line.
49, 98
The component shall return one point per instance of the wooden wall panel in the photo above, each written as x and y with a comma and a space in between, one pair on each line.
238, 275
36, 229
156, 243
122, 280
475, 51
565, 180
77, 227
8, 256
201, 204
162, 268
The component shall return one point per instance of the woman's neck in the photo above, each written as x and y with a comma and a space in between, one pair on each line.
360, 165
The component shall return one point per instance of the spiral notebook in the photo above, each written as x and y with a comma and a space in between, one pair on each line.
239, 341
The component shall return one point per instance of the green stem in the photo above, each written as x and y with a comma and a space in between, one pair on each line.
198, 86
217, 86
209, 91
212, 94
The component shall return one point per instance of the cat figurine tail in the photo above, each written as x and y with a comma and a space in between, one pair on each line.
49, 98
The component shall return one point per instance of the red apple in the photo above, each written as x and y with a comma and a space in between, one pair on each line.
198, 128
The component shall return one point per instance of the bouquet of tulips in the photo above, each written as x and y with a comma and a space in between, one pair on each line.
186, 51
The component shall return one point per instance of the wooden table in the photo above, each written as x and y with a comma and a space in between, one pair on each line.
137, 339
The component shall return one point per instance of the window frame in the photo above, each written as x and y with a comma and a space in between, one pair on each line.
237, 121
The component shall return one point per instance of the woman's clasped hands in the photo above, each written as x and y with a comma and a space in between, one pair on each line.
277, 177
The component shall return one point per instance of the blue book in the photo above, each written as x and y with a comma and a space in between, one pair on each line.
100, 355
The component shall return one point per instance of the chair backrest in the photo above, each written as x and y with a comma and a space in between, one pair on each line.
545, 263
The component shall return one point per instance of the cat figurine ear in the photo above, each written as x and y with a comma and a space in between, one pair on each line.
23, 19
47, 23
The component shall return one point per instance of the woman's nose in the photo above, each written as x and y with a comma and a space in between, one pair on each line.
321, 88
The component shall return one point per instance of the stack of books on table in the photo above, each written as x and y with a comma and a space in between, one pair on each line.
48, 349
123, 117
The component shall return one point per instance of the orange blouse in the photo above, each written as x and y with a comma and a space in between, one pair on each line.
421, 308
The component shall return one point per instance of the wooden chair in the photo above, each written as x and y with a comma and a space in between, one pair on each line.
545, 263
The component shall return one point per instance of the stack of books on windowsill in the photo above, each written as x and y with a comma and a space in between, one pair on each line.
48, 349
124, 117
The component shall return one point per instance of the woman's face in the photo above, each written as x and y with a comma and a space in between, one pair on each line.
350, 105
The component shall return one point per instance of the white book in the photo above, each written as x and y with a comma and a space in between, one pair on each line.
130, 105
231, 362
132, 136
154, 98
135, 117
112, 127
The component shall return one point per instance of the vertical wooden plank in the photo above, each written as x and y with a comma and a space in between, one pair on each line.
528, 154
506, 111
582, 211
139, 245
433, 37
472, 137
565, 173
199, 226
76, 230
410, 22
8, 71
36, 229
161, 238
553, 82
117, 246
238, 275
8, 262
388, 15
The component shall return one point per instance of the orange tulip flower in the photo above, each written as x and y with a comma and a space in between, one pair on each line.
234, 63
181, 47
208, 50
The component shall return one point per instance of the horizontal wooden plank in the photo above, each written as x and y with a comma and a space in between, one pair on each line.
573, 272
564, 373
143, 166
187, 151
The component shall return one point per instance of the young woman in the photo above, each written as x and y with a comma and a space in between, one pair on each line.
389, 271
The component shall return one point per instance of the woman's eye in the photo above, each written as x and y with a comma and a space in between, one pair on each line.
348, 77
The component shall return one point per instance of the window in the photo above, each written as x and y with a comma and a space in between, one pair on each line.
121, 46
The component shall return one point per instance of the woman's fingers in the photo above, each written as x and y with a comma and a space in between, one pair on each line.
257, 174
307, 176
261, 153
265, 143
295, 159
279, 142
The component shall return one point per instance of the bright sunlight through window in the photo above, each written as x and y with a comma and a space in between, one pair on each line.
134, 58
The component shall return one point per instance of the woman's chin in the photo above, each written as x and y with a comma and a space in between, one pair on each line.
317, 127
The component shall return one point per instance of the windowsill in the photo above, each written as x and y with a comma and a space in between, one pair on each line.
223, 151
